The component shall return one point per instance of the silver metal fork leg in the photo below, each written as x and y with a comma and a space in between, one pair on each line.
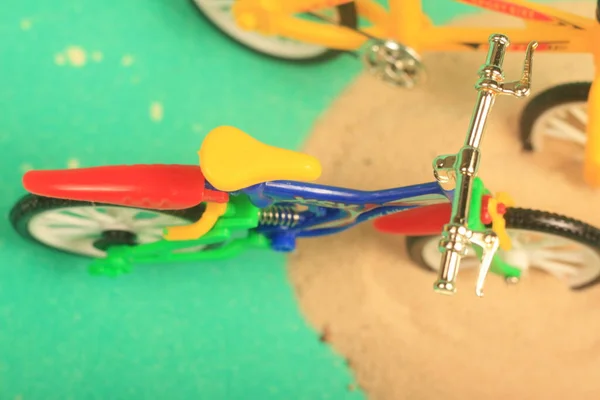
489, 242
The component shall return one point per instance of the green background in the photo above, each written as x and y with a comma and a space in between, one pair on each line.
228, 330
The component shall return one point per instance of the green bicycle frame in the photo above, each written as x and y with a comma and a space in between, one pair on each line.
231, 235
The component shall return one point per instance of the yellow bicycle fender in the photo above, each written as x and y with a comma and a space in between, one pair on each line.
199, 228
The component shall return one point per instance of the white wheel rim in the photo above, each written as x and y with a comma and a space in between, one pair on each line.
566, 122
219, 12
75, 229
574, 263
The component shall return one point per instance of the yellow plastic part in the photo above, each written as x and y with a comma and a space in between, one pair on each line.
405, 22
592, 148
376, 14
196, 230
498, 221
232, 160
255, 15
327, 35
287, 6
297, 6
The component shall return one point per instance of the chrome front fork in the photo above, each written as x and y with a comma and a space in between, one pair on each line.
457, 172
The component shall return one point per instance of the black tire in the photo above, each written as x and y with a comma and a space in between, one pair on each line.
531, 220
31, 205
574, 92
348, 18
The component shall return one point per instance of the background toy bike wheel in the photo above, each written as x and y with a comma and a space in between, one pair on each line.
218, 12
88, 229
558, 245
558, 113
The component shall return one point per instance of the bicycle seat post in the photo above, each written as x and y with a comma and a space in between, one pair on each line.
463, 167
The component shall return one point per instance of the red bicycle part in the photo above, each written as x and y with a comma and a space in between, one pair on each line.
486, 218
420, 221
156, 186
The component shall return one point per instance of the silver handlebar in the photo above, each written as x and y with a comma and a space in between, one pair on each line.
457, 172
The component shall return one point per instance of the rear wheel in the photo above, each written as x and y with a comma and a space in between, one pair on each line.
555, 121
558, 245
89, 229
219, 13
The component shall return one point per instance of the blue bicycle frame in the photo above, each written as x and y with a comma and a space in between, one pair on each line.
330, 209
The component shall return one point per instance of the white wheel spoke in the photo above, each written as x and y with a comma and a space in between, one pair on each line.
92, 213
150, 236
571, 257
580, 113
561, 129
63, 219
83, 246
556, 133
523, 240
556, 268
123, 214
516, 238
563, 123
76, 229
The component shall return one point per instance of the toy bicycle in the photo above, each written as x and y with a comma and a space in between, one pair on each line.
391, 45
246, 194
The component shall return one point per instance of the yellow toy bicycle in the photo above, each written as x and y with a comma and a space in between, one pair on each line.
308, 30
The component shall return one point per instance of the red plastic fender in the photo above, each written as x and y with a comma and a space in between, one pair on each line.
156, 186
419, 221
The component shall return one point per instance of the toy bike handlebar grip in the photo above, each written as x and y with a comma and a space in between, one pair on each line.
159, 187
497, 51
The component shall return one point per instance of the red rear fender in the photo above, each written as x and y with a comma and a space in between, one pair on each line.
157, 186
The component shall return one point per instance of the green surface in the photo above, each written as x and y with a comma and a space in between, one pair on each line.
228, 330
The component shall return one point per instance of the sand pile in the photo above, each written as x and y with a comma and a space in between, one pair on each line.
533, 340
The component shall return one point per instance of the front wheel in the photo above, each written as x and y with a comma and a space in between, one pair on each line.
564, 247
219, 13
90, 229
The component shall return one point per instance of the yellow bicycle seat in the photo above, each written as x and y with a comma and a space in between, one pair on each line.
232, 160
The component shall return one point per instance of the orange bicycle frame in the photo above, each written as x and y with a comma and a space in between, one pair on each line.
592, 148
276, 17
405, 22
